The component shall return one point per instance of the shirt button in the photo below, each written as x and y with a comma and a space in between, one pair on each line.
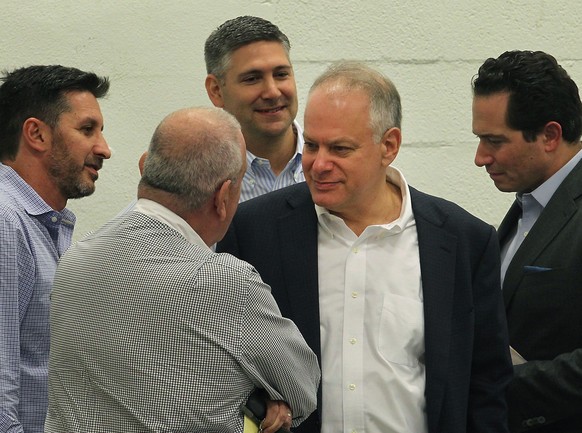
353, 341
54, 219
352, 387
355, 251
525, 234
355, 294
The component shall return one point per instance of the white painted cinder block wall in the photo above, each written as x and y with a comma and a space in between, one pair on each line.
153, 53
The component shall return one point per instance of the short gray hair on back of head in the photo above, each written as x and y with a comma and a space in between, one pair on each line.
385, 105
192, 152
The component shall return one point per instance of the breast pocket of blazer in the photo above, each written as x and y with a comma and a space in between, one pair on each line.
557, 290
401, 334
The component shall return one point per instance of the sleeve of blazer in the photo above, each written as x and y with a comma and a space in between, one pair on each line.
546, 392
491, 370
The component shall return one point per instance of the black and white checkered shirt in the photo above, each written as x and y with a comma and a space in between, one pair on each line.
152, 333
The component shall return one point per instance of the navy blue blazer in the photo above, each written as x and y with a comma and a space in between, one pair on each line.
542, 291
467, 359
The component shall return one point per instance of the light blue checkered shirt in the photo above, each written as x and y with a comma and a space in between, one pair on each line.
32, 238
259, 179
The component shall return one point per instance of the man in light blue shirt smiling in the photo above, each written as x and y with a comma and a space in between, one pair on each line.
51, 148
250, 75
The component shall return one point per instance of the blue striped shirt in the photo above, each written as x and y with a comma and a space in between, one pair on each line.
259, 179
32, 238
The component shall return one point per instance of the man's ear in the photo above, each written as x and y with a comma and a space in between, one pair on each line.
221, 197
36, 134
552, 134
141, 162
390, 145
214, 90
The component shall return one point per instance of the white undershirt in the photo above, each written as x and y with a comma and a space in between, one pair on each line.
372, 331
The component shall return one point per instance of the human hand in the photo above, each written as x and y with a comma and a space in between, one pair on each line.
278, 417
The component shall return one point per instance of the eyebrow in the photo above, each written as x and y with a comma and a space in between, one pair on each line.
261, 71
339, 140
92, 121
489, 135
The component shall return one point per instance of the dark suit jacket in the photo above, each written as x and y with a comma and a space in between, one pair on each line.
467, 359
544, 314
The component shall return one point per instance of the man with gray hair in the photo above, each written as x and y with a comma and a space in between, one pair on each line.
152, 330
395, 290
250, 75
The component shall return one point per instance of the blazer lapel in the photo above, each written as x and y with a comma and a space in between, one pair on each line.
555, 216
297, 231
437, 249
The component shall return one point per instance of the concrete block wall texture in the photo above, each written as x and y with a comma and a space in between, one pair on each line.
153, 53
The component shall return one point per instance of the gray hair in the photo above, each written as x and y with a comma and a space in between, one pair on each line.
192, 152
385, 106
235, 33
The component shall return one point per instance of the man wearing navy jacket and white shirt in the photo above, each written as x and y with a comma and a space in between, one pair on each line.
396, 291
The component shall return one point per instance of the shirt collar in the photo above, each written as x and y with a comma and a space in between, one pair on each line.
406, 217
295, 161
166, 216
29, 199
543, 193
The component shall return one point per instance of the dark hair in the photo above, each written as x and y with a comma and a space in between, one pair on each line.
540, 91
235, 33
39, 91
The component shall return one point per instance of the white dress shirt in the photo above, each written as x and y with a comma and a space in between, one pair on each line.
372, 324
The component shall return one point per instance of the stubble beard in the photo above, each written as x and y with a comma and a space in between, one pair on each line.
69, 176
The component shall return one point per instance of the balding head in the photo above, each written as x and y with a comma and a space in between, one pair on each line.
345, 77
192, 152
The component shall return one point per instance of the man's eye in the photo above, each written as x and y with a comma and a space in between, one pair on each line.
250, 79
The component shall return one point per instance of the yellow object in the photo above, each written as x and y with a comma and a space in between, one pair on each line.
250, 426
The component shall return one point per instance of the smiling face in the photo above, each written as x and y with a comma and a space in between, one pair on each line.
513, 164
344, 167
258, 89
78, 146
